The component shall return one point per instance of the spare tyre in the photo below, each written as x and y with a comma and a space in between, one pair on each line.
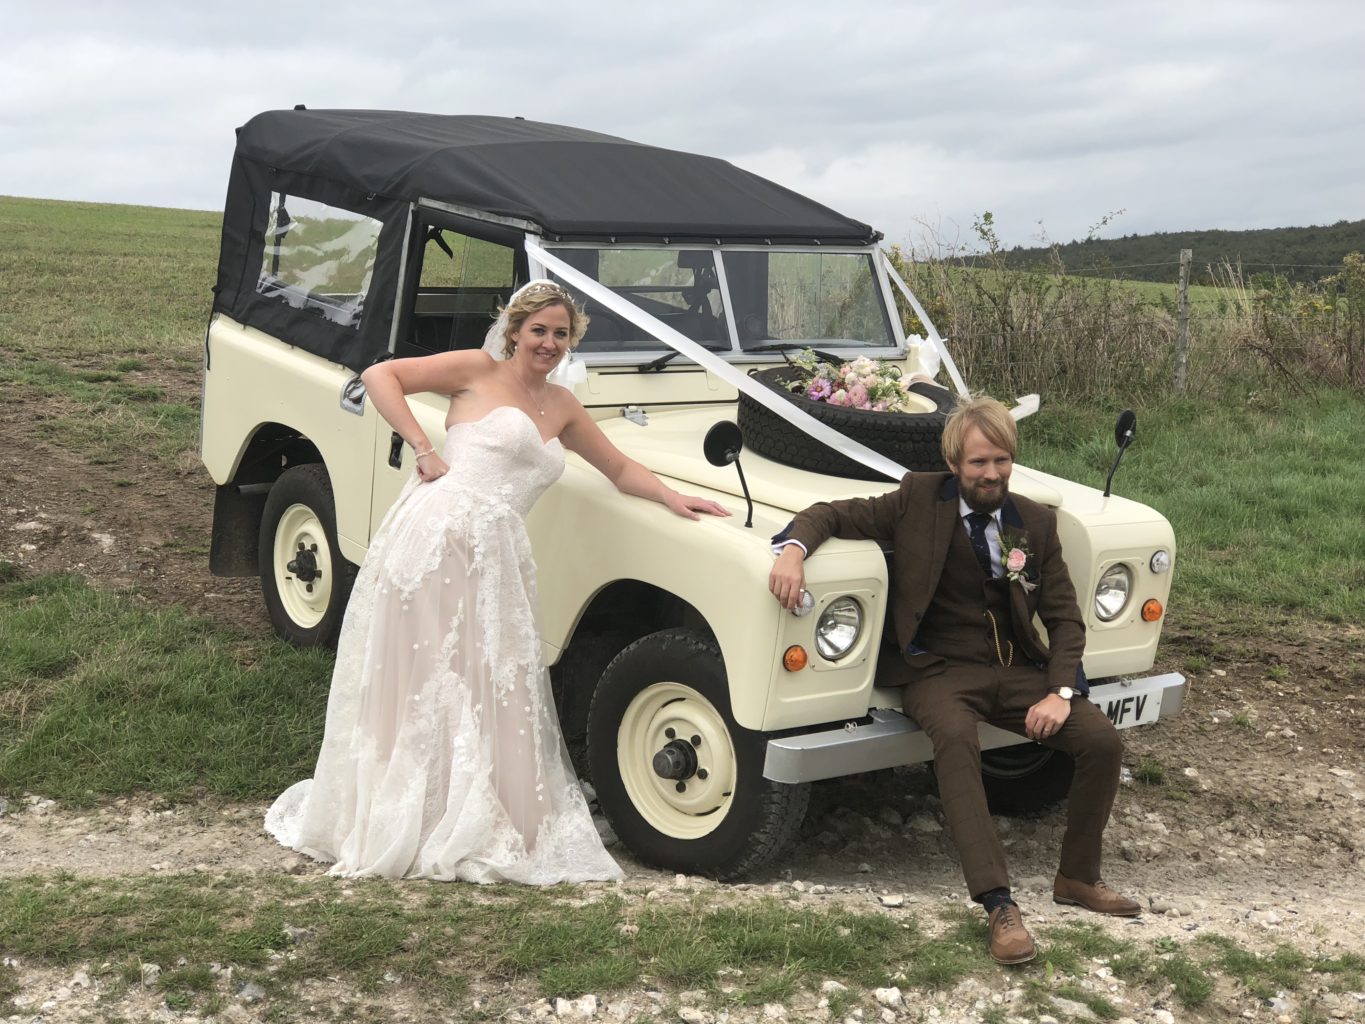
910, 438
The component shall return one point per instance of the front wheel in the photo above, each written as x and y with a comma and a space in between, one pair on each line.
304, 578
681, 783
1026, 778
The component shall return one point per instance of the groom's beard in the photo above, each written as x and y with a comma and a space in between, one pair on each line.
987, 499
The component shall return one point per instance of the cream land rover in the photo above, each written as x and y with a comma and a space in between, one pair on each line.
351, 236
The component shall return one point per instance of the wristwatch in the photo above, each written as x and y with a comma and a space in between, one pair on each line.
1065, 692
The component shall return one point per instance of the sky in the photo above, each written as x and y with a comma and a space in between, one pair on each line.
1057, 117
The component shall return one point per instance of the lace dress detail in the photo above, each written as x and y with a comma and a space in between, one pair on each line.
442, 756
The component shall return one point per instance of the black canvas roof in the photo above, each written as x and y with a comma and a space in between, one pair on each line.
573, 183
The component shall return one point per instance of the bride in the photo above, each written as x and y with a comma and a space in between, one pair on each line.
442, 756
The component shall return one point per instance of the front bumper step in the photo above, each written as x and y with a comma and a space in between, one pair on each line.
890, 738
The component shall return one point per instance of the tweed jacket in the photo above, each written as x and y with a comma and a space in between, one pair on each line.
917, 520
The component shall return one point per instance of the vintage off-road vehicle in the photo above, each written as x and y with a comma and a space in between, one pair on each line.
708, 710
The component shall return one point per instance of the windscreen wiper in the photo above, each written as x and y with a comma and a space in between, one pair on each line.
786, 346
654, 365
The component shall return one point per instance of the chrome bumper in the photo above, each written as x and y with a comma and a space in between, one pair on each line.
890, 738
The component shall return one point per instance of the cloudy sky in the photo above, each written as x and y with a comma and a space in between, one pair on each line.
915, 117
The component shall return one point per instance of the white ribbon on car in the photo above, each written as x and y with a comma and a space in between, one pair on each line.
935, 339
1025, 406
708, 360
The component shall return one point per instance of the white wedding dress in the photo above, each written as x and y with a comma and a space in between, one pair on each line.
442, 756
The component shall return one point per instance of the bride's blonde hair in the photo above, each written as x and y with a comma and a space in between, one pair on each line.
534, 297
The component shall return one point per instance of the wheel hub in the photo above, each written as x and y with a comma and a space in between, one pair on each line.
304, 565
677, 760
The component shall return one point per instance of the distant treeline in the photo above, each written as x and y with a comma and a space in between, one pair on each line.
1298, 254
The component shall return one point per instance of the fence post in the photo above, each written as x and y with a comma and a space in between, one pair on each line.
1182, 320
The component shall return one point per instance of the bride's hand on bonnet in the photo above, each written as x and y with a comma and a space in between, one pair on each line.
688, 506
431, 467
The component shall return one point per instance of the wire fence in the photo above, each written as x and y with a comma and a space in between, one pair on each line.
1095, 332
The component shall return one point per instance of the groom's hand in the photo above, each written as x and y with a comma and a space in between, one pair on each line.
788, 578
1046, 718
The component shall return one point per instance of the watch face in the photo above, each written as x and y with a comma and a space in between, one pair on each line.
1065, 692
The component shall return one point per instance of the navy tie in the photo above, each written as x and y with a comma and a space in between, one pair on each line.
980, 547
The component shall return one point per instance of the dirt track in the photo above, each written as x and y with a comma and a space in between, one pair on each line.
1257, 831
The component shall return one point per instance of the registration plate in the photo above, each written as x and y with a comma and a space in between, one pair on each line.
1128, 707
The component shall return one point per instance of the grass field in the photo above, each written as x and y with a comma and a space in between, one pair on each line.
1261, 485
101, 695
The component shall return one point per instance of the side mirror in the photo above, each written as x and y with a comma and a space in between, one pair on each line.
721, 446
1125, 430
723, 443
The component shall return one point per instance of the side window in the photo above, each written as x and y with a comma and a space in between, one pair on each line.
318, 258
463, 282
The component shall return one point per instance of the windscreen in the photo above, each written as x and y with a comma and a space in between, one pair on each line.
808, 297
831, 300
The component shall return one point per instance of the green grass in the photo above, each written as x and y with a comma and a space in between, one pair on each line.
93, 282
286, 934
1263, 495
96, 298
101, 695
438, 938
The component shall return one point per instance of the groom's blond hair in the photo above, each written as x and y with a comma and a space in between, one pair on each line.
986, 414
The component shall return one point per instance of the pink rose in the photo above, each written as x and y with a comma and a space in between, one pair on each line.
857, 396
839, 397
1014, 561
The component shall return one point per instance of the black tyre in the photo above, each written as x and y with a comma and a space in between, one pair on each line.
1025, 779
574, 681
680, 782
305, 580
912, 439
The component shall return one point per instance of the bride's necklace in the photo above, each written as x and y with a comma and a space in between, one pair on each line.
531, 394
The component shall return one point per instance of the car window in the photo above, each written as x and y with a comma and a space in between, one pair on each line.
463, 283
318, 258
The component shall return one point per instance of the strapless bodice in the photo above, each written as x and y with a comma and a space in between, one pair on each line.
501, 457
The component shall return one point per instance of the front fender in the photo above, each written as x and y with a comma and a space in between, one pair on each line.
587, 536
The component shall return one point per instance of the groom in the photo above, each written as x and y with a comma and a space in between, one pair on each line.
972, 567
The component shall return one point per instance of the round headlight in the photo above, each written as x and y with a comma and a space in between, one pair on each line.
838, 628
1111, 596
1161, 561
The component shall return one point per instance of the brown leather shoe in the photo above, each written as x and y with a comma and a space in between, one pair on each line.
1010, 941
1098, 897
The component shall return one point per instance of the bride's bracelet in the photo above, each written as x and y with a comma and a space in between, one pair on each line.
418, 455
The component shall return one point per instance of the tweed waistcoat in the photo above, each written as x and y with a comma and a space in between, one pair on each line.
956, 623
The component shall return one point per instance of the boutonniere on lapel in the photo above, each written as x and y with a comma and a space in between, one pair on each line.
1017, 559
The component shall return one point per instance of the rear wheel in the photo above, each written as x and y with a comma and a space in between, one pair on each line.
304, 578
681, 783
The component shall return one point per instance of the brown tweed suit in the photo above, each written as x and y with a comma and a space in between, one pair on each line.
954, 680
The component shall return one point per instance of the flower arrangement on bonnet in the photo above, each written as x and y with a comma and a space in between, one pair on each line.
862, 383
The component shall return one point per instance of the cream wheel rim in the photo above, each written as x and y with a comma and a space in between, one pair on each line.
666, 715
305, 588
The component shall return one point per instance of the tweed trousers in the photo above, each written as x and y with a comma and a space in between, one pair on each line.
950, 704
